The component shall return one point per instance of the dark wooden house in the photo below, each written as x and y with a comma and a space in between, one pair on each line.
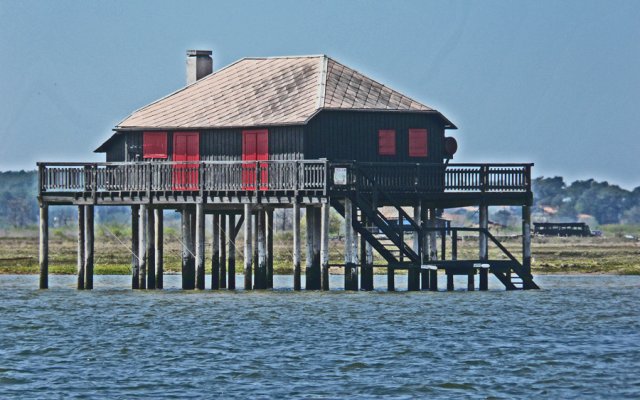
264, 133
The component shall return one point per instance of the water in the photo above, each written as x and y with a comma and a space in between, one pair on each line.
579, 337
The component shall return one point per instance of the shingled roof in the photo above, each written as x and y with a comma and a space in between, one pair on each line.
270, 91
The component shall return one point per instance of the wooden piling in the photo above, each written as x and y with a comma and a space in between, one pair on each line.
158, 235
215, 253
310, 279
483, 217
433, 237
135, 253
151, 249
526, 238
413, 275
449, 281
231, 271
89, 234
454, 245
223, 250
269, 249
324, 244
199, 244
80, 270
391, 279
433, 279
248, 248
348, 246
43, 254
188, 259
142, 245
425, 273
261, 270
296, 247
484, 277
471, 285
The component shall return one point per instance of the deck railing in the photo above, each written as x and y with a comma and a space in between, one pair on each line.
433, 178
183, 176
300, 175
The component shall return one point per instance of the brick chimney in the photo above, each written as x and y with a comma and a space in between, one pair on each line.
199, 64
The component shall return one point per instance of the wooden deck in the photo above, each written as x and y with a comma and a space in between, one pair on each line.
280, 182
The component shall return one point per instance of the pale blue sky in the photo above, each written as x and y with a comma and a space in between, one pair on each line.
551, 82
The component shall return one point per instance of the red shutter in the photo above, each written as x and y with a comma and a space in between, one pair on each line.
154, 145
387, 142
418, 143
255, 147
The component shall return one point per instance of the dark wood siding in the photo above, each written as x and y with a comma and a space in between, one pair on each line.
116, 150
285, 143
353, 135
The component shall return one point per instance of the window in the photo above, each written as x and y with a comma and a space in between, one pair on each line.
418, 143
387, 142
154, 145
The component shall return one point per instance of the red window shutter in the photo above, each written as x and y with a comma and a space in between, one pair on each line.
154, 145
418, 146
387, 142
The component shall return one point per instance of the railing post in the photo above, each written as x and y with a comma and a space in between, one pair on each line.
483, 178
326, 177
94, 183
41, 185
527, 177
257, 178
148, 176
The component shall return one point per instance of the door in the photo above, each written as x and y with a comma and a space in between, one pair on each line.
255, 147
186, 147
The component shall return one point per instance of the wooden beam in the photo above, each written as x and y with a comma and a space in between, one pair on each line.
200, 266
188, 260
248, 248
261, 270
159, 247
43, 254
483, 240
223, 251
233, 232
324, 244
425, 273
413, 275
526, 238
348, 245
269, 248
142, 245
80, 270
135, 253
215, 253
151, 249
311, 275
89, 233
296, 246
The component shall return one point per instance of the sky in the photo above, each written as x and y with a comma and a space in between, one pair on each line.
556, 83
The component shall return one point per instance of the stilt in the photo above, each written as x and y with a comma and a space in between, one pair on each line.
483, 215
215, 253
248, 248
188, 259
364, 267
433, 279
88, 247
454, 245
443, 244
449, 281
158, 234
296, 247
425, 270
231, 285
80, 271
413, 275
142, 245
391, 279
526, 238
348, 246
484, 277
310, 216
135, 253
433, 238
369, 261
223, 250
324, 244
43, 254
317, 238
471, 285
256, 260
151, 249
269, 238
200, 272
261, 270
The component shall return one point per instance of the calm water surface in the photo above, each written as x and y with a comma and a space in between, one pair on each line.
577, 338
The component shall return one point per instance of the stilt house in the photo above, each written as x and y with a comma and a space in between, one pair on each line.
290, 132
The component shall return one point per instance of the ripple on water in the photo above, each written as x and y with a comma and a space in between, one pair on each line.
578, 336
